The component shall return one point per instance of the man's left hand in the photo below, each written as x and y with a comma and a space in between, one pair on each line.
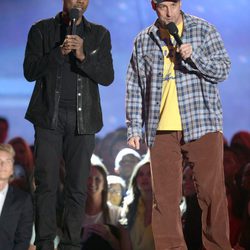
185, 50
75, 43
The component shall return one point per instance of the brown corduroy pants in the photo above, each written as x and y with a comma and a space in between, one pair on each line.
206, 154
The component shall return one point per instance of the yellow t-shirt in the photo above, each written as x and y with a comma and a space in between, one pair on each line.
141, 236
170, 118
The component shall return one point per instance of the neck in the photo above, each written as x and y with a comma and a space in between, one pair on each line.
147, 198
66, 19
3, 184
93, 205
180, 20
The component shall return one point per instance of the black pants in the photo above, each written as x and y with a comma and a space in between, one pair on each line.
51, 146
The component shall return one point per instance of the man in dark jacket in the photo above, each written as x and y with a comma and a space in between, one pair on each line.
66, 113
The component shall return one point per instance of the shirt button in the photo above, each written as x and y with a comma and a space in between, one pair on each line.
79, 109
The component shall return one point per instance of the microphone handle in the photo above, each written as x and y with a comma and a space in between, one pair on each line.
178, 39
73, 27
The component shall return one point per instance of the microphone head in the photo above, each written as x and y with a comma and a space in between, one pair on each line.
172, 28
74, 14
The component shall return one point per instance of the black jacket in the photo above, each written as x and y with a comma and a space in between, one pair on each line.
16, 220
43, 64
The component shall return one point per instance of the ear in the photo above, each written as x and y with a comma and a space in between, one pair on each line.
153, 5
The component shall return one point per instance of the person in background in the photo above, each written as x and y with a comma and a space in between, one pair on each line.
101, 228
16, 208
68, 57
244, 239
116, 189
23, 164
240, 144
235, 197
125, 162
192, 216
137, 207
4, 128
172, 92
241, 138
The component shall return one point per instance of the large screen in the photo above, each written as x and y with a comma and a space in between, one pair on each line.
124, 19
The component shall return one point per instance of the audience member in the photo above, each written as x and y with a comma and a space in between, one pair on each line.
137, 209
244, 239
16, 209
241, 138
101, 226
234, 194
231, 166
125, 162
24, 163
240, 144
101, 229
4, 128
192, 217
116, 189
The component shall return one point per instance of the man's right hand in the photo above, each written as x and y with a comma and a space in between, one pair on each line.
65, 50
134, 142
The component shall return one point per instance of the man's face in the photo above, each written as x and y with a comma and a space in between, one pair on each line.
169, 11
81, 5
6, 166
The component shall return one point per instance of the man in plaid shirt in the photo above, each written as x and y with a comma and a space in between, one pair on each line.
172, 92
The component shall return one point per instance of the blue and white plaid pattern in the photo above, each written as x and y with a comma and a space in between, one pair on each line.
196, 81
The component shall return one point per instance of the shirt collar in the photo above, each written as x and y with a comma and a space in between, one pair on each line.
5, 190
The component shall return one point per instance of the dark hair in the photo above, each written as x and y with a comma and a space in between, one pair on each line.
105, 209
134, 195
4, 120
28, 163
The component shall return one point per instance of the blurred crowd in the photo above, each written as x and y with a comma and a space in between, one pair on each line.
120, 196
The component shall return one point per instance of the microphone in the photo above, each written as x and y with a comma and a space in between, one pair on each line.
173, 30
73, 16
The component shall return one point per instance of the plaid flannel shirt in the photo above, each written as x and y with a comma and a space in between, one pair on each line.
196, 81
